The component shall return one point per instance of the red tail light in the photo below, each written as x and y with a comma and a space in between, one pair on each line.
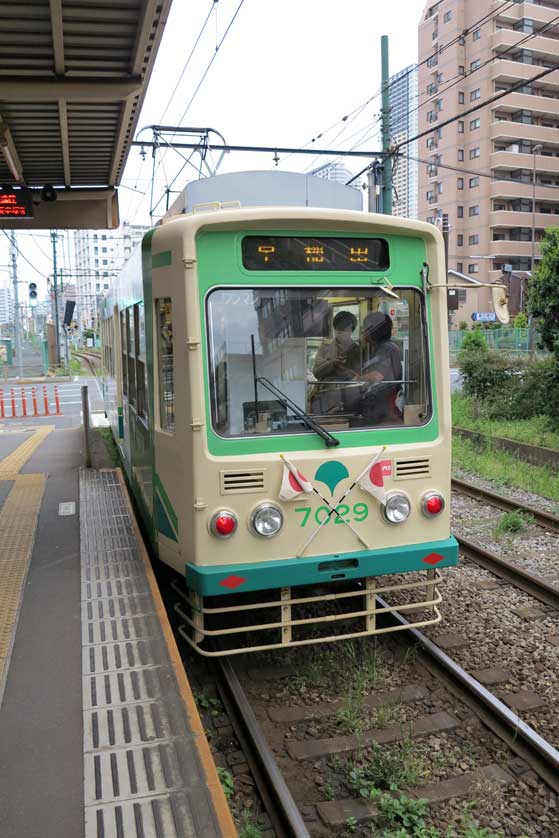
223, 524
432, 504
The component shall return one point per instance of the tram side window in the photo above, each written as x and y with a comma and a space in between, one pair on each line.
123, 354
130, 348
164, 319
141, 373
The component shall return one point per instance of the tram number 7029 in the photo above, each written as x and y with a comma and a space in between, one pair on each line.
357, 512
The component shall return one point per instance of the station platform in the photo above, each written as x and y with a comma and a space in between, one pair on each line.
99, 732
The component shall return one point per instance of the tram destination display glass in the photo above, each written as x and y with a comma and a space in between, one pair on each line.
304, 253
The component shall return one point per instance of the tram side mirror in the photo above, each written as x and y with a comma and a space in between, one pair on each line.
500, 304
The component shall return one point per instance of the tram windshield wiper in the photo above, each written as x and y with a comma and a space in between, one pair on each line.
286, 402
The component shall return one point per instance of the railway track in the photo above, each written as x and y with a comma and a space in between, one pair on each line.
531, 750
527, 581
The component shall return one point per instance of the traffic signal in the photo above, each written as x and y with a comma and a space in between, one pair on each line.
33, 293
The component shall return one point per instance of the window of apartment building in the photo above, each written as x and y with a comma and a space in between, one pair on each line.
433, 61
460, 155
474, 181
521, 205
460, 267
523, 56
103, 237
432, 116
97, 286
447, 16
461, 70
435, 35
473, 268
430, 219
439, 133
439, 105
431, 143
105, 261
475, 153
430, 195
475, 65
96, 250
460, 126
432, 89
473, 239
460, 240
103, 250
475, 94
524, 25
460, 183
460, 212
524, 117
476, 35
475, 123
460, 98
473, 210
520, 234
439, 188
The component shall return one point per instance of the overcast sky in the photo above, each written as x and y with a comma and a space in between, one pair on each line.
286, 72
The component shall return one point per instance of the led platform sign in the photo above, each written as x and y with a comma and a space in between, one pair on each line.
15, 204
294, 253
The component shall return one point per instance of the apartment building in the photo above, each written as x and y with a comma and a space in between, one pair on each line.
99, 257
6, 305
402, 101
514, 140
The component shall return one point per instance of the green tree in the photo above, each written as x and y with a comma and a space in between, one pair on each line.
520, 321
543, 292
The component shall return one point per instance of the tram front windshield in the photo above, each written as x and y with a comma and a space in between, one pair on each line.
349, 358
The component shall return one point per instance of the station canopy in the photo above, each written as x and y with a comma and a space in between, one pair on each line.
73, 76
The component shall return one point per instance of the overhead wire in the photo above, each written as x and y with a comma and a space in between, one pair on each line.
24, 257
476, 25
454, 80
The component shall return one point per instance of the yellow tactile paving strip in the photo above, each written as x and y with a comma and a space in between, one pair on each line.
15, 461
18, 522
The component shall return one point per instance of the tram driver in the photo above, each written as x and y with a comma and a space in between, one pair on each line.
337, 362
380, 401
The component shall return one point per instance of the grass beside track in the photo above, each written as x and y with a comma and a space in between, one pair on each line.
534, 431
504, 469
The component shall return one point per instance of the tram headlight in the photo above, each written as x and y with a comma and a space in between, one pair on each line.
396, 509
266, 520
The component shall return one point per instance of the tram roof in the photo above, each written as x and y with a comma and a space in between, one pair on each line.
73, 76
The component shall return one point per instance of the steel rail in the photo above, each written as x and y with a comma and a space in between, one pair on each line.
278, 801
545, 519
525, 580
542, 756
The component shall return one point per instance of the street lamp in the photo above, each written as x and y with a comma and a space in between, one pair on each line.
535, 150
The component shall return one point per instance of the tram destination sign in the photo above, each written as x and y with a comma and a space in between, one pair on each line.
303, 253
16, 203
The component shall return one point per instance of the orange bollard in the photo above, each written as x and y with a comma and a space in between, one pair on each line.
34, 400
56, 400
2, 415
23, 402
45, 400
13, 400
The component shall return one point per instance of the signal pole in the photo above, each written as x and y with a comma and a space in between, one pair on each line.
53, 238
385, 128
17, 323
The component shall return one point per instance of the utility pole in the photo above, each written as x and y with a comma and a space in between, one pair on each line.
53, 238
17, 324
385, 126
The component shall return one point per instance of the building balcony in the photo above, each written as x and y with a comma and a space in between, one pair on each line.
508, 249
525, 101
515, 131
504, 69
543, 46
513, 160
518, 189
541, 14
513, 218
